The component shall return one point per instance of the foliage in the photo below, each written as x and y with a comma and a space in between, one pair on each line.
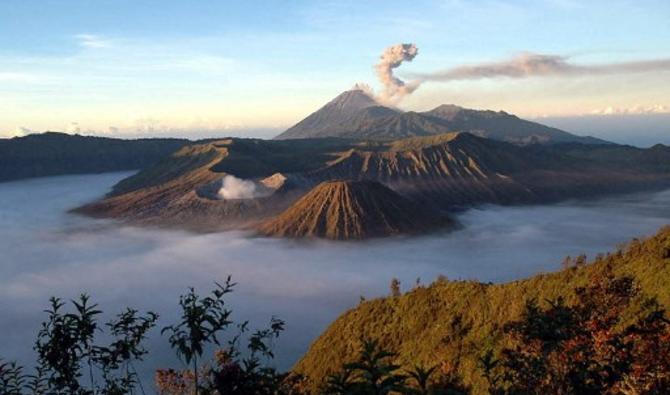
582, 348
202, 319
70, 361
233, 370
375, 373
419, 324
587, 329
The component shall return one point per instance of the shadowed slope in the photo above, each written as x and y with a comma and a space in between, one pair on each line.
354, 114
351, 210
52, 153
503, 126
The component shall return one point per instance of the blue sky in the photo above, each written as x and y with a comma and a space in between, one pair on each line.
120, 65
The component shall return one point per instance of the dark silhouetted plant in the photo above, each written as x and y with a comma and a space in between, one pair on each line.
12, 378
372, 373
65, 347
395, 287
201, 321
116, 360
64, 344
421, 377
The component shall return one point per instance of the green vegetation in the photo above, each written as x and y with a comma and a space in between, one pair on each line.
458, 322
51, 153
72, 361
598, 328
586, 348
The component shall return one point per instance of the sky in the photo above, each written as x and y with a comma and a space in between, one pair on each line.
250, 68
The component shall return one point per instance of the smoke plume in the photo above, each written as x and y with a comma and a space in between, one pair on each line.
236, 188
394, 89
524, 65
532, 64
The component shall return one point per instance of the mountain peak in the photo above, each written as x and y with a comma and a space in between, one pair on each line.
341, 108
352, 210
352, 100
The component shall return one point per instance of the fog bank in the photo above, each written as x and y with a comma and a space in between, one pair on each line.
47, 252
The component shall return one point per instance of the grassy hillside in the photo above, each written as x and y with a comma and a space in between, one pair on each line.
50, 154
456, 322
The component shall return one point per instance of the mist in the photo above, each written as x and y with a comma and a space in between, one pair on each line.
47, 252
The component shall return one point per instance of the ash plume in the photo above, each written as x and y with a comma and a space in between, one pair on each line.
524, 65
530, 64
394, 89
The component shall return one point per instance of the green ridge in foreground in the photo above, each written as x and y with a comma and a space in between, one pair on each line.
456, 322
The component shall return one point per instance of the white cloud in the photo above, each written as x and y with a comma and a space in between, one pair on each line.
92, 41
73, 127
652, 109
19, 131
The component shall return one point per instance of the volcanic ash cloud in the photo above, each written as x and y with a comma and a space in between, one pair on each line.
394, 89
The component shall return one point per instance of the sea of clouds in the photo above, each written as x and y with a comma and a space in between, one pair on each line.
48, 252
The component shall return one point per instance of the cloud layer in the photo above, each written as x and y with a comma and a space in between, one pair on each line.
47, 252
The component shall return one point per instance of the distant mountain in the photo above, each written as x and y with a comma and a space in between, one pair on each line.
499, 125
345, 210
338, 110
355, 115
51, 153
391, 125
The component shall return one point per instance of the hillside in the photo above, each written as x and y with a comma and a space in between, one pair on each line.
181, 190
345, 210
49, 154
443, 173
355, 115
456, 322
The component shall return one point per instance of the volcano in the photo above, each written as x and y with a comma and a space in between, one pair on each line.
339, 110
345, 210
355, 115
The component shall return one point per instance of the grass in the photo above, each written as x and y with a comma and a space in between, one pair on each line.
456, 322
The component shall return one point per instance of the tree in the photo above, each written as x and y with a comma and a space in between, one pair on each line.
201, 321
372, 373
66, 344
395, 287
585, 348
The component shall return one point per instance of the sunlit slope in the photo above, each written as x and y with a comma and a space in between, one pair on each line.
455, 322
442, 172
346, 210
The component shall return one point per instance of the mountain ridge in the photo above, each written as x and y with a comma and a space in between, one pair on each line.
55, 153
349, 115
442, 173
